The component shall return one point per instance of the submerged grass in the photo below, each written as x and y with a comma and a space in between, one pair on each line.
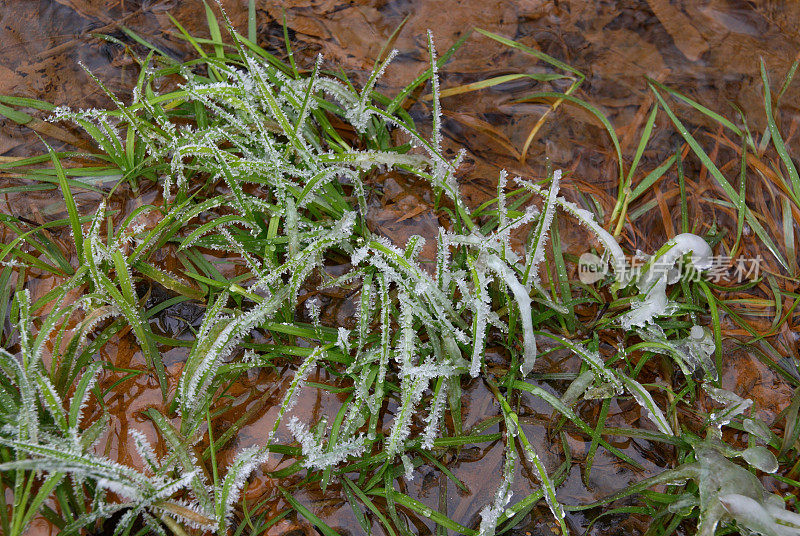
268, 165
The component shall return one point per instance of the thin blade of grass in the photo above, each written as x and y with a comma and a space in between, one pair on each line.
775, 134
306, 513
72, 209
594, 111
721, 180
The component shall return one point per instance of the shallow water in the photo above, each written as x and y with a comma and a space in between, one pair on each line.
708, 50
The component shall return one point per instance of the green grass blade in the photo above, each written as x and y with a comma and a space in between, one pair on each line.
721, 180
777, 140
72, 209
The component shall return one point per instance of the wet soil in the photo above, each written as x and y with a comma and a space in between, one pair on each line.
708, 50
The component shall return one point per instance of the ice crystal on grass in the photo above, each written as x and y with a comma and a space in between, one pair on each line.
359, 114
436, 412
318, 455
199, 381
618, 261
540, 235
490, 514
481, 308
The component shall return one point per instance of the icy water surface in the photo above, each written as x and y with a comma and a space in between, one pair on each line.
708, 50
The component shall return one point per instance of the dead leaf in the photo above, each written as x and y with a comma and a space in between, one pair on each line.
680, 28
415, 212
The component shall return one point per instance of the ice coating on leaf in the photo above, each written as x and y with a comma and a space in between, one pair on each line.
777, 509
653, 282
523, 300
757, 428
406, 343
751, 514
700, 346
613, 383
577, 388
690, 353
729, 491
646, 402
683, 505
593, 359
734, 404
717, 477
760, 458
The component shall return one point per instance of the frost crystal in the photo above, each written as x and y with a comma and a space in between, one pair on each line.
490, 514
317, 454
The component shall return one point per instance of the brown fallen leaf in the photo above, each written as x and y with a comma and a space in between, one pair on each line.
680, 28
415, 212
486, 128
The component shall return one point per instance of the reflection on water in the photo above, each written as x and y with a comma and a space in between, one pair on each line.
708, 50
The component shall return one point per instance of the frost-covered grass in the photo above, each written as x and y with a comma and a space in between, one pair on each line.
255, 167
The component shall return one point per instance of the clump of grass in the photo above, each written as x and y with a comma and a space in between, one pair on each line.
255, 166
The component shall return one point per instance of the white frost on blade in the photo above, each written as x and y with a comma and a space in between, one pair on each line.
523, 300
434, 417
481, 308
408, 466
317, 456
619, 262
343, 339
503, 230
412, 389
490, 514
145, 450
227, 492
359, 115
543, 226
